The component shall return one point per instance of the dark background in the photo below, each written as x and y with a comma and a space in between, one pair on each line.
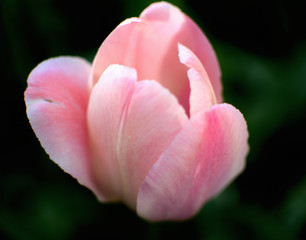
262, 52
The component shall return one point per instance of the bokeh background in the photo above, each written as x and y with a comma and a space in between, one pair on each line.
262, 52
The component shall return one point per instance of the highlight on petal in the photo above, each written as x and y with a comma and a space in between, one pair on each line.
202, 95
56, 100
203, 158
130, 125
149, 44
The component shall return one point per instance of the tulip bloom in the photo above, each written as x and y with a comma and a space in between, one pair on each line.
145, 123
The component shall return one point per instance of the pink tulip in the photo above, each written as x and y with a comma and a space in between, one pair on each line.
145, 123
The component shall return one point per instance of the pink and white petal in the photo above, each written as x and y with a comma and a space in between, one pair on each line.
107, 106
153, 119
130, 126
204, 157
56, 100
163, 18
202, 95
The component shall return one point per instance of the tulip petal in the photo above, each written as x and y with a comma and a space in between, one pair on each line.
163, 17
130, 125
204, 157
56, 101
117, 48
108, 101
137, 43
202, 95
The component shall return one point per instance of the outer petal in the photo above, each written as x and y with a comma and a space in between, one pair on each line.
149, 44
56, 101
202, 95
204, 157
130, 125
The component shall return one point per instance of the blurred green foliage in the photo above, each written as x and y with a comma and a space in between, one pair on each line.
264, 75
